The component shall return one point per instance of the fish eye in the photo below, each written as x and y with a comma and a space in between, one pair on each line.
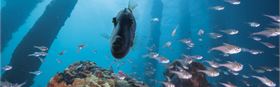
130, 21
114, 21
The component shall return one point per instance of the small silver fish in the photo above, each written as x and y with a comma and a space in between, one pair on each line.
8, 84
254, 52
36, 73
187, 60
197, 57
230, 31
182, 74
228, 84
156, 20
41, 48
200, 33
38, 54
256, 38
215, 35
265, 81
80, 47
168, 44
269, 45
227, 49
254, 24
152, 55
234, 2
268, 69
157, 57
269, 32
212, 64
233, 66
168, 84
162, 60
188, 42
259, 70
277, 69
217, 8
274, 18
121, 75
210, 72
7, 68
173, 33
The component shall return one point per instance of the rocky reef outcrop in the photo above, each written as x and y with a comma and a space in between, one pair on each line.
88, 74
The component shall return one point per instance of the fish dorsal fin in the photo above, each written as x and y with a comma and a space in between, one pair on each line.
132, 5
229, 62
227, 44
264, 77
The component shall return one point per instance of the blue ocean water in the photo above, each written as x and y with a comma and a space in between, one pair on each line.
90, 20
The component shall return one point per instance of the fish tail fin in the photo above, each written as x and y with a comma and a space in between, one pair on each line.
35, 46
145, 56
132, 5
269, 16
41, 59
210, 50
223, 31
227, 44
255, 76
253, 34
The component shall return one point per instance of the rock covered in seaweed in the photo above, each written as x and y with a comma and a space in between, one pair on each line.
88, 74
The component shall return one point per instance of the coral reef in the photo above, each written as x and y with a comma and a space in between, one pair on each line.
88, 74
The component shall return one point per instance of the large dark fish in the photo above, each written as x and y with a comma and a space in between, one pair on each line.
123, 33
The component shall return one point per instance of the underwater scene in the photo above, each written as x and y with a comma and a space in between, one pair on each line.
140, 43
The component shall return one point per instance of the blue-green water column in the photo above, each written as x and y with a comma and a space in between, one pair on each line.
154, 41
13, 15
42, 33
